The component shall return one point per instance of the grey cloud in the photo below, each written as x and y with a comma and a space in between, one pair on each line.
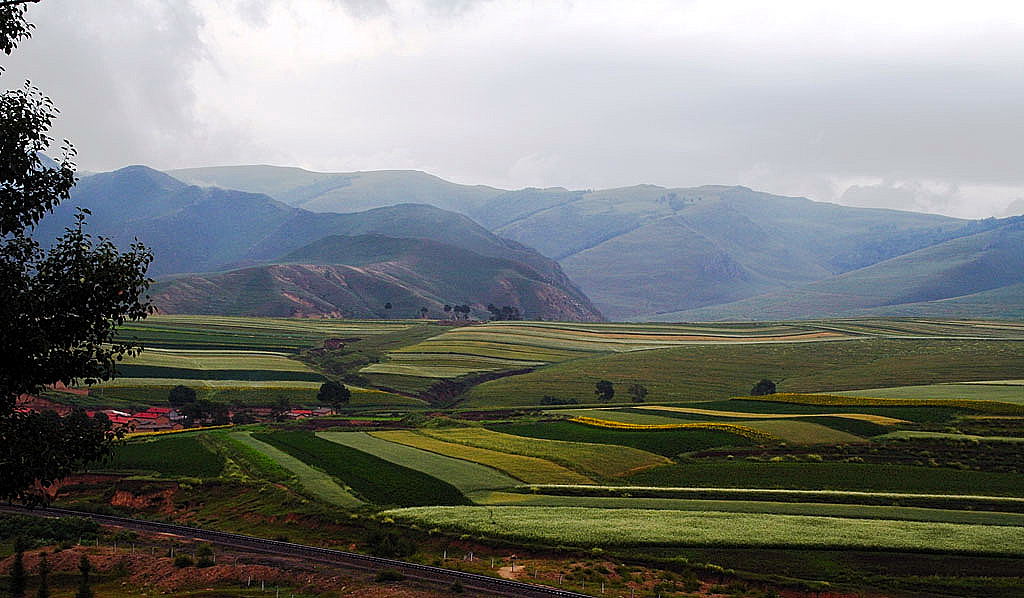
119, 72
901, 196
570, 94
1016, 208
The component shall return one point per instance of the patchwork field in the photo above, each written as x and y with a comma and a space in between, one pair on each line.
924, 464
600, 460
527, 469
312, 480
704, 372
638, 527
465, 475
372, 478
1010, 391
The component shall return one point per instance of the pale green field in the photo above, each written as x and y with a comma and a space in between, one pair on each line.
646, 527
528, 469
512, 345
600, 460
313, 481
499, 498
156, 390
198, 359
801, 432
784, 428
465, 475
1008, 391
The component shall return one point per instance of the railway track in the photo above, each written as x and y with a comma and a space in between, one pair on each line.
437, 575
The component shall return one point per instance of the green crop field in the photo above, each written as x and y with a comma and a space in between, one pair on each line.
173, 456
245, 461
955, 502
466, 476
754, 506
976, 391
372, 478
254, 334
527, 469
721, 370
242, 392
833, 476
581, 526
662, 442
599, 460
313, 481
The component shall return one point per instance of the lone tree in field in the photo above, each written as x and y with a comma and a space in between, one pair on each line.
181, 395
763, 387
638, 392
334, 394
61, 306
604, 390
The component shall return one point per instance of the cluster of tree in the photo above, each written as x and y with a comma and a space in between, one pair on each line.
504, 313
461, 312
60, 306
604, 390
198, 411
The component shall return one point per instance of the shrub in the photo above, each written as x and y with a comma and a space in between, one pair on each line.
387, 575
183, 560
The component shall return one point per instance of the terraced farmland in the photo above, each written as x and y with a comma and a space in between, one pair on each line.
516, 345
600, 460
527, 469
374, 479
663, 442
1010, 391
313, 481
702, 372
253, 334
638, 527
467, 476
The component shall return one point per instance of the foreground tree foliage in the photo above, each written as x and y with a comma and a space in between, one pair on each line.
60, 306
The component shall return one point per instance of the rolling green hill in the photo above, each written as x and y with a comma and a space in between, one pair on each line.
970, 272
646, 251
341, 191
356, 276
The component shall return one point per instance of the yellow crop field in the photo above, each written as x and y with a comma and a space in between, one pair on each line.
528, 469
600, 460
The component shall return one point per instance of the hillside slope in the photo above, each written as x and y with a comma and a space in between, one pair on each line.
355, 276
643, 250
341, 191
980, 275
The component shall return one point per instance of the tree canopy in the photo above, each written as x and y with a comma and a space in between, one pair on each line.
763, 387
60, 305
334, 394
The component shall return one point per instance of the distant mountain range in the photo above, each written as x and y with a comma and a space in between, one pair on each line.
234, 252
703, 253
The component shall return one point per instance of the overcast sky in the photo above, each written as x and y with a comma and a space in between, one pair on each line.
903, 104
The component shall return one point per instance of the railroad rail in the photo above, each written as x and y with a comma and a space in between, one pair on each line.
427, 573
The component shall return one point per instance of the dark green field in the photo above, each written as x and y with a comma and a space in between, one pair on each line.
832, 476
663, 442
378, 481
173, 456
